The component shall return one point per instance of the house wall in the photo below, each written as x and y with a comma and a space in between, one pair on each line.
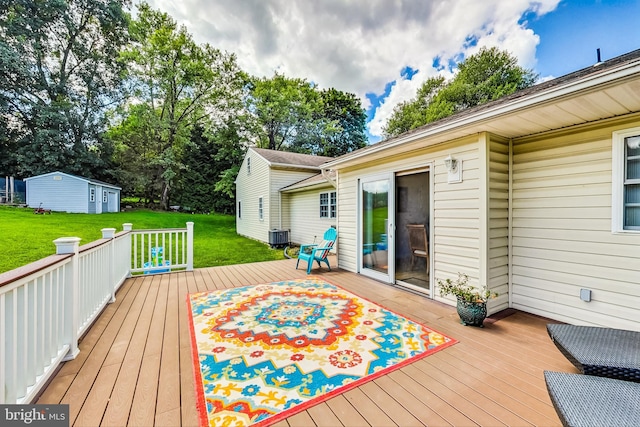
263, 181
459, 218
63, 194
249, 187
562, 238
281, 178
497, 267
303, 208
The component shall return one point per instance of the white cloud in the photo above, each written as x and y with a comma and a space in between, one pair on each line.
358, 46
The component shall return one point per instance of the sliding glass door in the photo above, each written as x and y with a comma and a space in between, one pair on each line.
376, 227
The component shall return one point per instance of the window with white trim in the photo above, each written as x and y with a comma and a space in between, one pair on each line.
104, 196
239, 209
248, 165
328, 202
626, 180
260, 209
92, 195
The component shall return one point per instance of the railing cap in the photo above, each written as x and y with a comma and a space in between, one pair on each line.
67, 245
108, 233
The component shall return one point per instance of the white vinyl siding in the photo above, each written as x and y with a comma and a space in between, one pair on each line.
561, 232
248, 189
281, 178
498, 227
303, 208
456, 207
264, 181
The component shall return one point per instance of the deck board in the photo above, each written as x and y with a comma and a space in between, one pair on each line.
135, 365
117, 412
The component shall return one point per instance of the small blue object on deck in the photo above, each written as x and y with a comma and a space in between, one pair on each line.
157, 260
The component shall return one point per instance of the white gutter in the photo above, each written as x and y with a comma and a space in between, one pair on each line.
551, 94
325, 175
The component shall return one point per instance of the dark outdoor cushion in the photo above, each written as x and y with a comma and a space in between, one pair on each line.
604, 352
585, 400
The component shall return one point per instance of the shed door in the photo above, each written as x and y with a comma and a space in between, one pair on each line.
113, 202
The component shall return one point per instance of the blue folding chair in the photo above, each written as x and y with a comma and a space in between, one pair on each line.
318, 252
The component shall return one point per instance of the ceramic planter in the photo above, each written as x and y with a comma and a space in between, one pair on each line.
472, 313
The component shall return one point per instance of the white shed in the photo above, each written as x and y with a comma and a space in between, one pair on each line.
62, 192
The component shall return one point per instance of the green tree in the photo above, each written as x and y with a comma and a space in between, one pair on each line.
182, 85
58, 73
283, 108
339, 126
209, 159
486, 76
137, 152
293, 115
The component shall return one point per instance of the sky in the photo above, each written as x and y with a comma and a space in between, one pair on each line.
383, 50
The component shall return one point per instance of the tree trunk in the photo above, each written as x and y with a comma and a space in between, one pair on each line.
164, 199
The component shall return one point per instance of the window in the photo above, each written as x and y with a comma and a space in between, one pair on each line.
92, 195
104, 197
260, 210
248, 165
328, 205
239, 209
626, 180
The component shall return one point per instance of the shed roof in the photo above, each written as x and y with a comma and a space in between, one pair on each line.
88, 180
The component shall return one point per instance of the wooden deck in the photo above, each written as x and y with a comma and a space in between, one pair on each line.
135, 368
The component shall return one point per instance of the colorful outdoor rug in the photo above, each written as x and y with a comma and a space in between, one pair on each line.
262, 353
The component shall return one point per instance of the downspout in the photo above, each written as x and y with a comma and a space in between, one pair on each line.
280, 210
510, 225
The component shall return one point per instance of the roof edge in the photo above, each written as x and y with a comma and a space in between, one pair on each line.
615, 73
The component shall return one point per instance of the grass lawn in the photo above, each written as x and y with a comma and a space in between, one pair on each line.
25, 237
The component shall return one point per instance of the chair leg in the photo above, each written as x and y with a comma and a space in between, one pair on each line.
309, 265
297, 263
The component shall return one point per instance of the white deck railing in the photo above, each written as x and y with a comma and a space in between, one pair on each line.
46, 306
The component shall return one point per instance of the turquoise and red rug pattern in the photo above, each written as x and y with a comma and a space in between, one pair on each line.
265, 352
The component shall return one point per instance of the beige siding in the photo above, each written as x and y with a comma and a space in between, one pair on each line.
306, 224
498, 227
562, 239
249, 187
279, 179
456, 207
264, 181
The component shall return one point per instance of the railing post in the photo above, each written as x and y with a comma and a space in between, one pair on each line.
189, 246
127, 226
109, 233
70, 245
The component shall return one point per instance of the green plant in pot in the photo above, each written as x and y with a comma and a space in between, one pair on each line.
472, 302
